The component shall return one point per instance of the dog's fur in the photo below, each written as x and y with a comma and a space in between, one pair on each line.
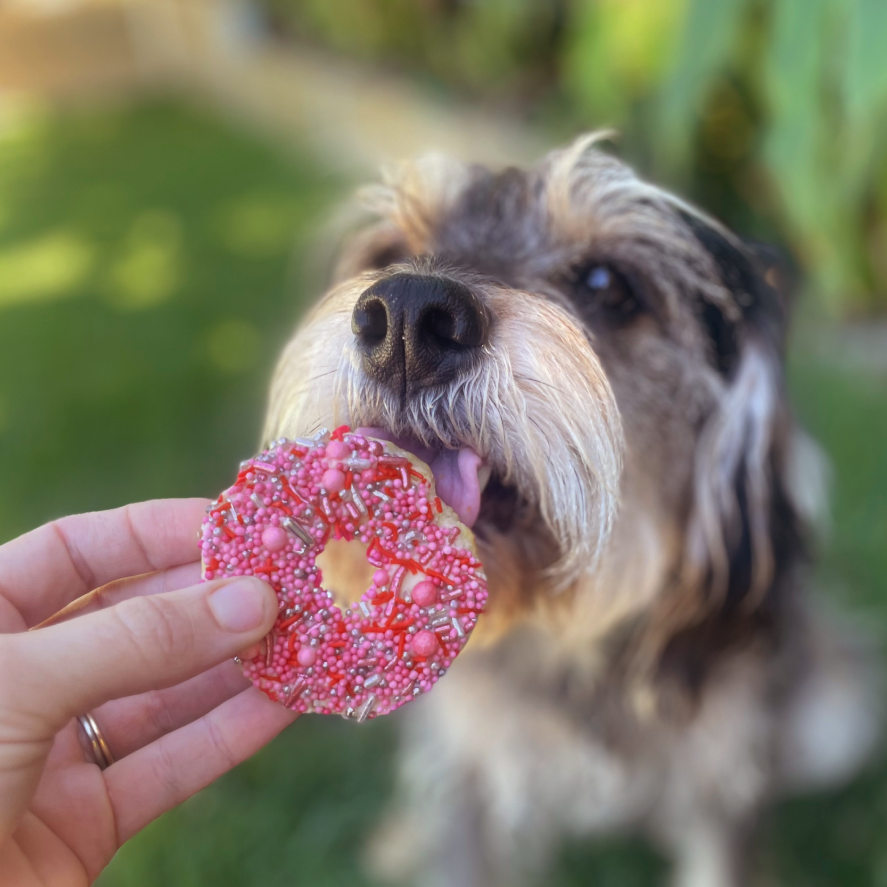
649, 657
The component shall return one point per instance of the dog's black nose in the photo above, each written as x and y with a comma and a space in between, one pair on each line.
415, 331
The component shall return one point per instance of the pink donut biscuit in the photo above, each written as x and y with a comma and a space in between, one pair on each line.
427, 590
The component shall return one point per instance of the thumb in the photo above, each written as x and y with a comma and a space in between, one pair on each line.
138, 645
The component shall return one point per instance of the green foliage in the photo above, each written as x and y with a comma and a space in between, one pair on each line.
771, 113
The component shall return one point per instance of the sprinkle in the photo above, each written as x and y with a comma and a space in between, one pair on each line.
358, 501
395, 461
297, 530
364, 609
397, 581
457, 626
365, 709
373, 681
297, 688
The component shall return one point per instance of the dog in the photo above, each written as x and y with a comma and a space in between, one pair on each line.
651, 657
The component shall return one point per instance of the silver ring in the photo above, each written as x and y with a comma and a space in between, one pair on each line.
94, 743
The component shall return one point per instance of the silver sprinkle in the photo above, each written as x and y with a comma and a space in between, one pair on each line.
457, 626
365, 709
296, 529
358, 500
372, 681
364, 609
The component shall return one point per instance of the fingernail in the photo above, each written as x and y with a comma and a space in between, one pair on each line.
239, 606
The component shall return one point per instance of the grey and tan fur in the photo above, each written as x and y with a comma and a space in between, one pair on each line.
650, 658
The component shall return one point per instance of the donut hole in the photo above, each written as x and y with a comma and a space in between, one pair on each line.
345, 571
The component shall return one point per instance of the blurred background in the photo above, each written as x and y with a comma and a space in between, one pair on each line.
171, 177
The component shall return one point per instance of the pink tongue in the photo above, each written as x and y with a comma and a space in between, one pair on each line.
455, 472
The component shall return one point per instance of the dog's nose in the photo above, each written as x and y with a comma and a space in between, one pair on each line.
416, 331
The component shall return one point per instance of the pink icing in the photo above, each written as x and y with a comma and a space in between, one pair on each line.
410, 624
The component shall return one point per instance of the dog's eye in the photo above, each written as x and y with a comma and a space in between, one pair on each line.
606, 290
599, 278
387, 255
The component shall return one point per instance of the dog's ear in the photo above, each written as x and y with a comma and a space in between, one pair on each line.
761, 281
743, 532
743, 529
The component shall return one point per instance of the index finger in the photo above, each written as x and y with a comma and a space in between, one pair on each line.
45, 569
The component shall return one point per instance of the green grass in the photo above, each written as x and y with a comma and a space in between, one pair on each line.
152, 263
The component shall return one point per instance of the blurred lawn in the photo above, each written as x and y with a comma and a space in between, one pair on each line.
152, 263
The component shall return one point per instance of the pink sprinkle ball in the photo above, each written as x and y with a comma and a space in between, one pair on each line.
333, 480
401, 636
274, 539
424, 643
337, 449
307, 656
425, 594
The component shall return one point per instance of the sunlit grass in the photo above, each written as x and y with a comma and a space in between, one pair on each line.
49, 267
138, 367
148, 270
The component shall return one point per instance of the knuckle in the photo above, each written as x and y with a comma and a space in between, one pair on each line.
154, 627
23, 691
158, 713
221, 745
11, 662
165, 771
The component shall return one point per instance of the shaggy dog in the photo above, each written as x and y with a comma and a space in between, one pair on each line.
594, 370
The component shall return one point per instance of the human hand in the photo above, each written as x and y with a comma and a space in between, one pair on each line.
145, 653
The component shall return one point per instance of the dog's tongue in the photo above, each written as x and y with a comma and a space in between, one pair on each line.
455, 472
